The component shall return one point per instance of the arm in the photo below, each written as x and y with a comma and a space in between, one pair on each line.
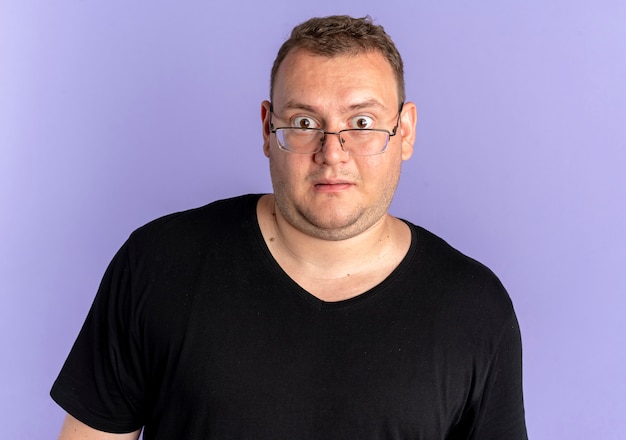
502, 406
99, 384
74, 429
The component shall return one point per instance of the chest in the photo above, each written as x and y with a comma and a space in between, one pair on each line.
258, 359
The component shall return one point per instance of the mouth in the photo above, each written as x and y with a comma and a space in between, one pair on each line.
333, 185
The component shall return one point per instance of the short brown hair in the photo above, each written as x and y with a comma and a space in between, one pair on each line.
339, 35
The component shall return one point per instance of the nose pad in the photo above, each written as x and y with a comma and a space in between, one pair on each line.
342, 141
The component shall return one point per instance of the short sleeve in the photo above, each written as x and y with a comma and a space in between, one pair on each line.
501, 406
101, 382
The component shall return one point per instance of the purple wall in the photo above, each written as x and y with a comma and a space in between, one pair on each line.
112, 114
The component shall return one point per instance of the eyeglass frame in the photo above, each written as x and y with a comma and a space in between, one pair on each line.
390, 134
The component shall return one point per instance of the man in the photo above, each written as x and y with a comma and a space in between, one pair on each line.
309, 313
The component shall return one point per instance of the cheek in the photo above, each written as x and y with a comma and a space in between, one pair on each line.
275, 173
382, 176
373, 169
285, 170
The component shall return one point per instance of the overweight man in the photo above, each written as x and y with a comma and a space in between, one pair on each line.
311, 312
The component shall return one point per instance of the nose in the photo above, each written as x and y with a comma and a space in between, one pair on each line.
333, 150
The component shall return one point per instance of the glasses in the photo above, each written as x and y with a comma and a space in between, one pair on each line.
355, 141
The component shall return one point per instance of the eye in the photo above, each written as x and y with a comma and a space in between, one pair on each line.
304, 122
362, 122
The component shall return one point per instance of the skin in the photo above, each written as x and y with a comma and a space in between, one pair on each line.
327, 223
76, 430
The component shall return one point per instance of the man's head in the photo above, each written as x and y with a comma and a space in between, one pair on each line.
341, 35
336, 90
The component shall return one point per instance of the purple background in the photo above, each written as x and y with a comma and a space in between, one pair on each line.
113, 113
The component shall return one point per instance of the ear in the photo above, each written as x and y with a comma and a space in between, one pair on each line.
408, 122
265, 119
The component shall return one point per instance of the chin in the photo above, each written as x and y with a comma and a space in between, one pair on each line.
338, 228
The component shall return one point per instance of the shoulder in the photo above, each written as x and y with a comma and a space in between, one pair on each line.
217, 220
435, 254
213, 231
458, 282
167, 254
217, 213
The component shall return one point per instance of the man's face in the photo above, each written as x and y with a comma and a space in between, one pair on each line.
331, 194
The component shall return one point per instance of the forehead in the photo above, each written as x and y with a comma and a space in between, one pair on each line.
343, 81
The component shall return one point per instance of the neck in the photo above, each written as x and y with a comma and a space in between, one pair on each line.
373, 253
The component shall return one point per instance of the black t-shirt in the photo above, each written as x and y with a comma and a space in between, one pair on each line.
197, 333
